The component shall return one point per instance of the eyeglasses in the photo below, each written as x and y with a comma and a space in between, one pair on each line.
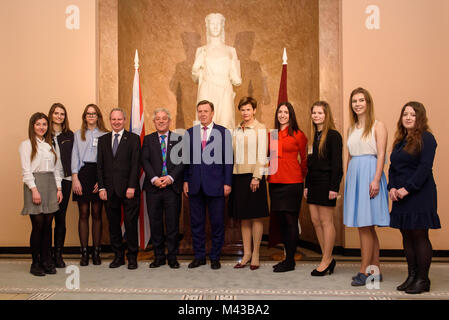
93, 114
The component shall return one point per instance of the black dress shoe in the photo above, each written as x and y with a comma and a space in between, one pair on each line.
59, 262
284, 266
418, 286
84, 257
330, 269
215, 264
157, 263
117, 262
96, 259
408, 282
48, 268
36, 270
132, 263
174, 264
196, 263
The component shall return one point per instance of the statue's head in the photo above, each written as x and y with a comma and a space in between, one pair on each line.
215, 26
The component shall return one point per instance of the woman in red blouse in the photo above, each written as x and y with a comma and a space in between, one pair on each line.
286, 178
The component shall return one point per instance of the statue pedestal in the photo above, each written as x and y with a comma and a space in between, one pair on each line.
233, 238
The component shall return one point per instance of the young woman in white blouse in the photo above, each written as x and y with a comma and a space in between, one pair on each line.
42, 175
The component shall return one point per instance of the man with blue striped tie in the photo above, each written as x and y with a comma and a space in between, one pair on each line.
163, 186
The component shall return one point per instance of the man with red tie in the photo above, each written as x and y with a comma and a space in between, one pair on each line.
207, 181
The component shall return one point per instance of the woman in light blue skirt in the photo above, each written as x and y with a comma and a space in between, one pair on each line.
366, 194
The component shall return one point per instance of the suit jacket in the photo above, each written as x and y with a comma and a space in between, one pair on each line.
152, 161
118, 173
65, 143
211, 168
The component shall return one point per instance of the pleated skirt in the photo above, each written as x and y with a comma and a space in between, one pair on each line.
359, 209
46, 185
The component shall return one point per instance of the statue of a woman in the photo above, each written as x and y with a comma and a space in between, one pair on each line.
216, 69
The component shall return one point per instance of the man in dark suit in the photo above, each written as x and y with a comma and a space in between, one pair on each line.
207, 181
118, 168
163, 186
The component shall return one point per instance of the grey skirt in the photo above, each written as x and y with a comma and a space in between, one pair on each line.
46, 185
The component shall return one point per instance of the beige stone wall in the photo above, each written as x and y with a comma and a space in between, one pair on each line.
167, 33
406, 59
42, 62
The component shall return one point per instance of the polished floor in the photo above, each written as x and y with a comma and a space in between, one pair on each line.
203, 283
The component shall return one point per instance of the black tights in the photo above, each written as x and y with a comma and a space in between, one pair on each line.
83, 225
290, 233
418, 251
40, 239
60, 226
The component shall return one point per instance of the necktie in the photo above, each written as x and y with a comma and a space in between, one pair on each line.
204, 139
115, 144
164, 155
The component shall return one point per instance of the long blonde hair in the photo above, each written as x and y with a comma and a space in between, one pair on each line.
100, 122
369, 122
327, 125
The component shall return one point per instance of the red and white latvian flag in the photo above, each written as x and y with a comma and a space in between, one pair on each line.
137, 126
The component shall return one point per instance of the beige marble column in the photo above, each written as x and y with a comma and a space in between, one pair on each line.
108, 55
331, 81
107, 51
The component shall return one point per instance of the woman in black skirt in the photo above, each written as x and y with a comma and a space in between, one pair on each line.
85, 185
42, 175
325, 170
286, 178
413, 192
248, 199
62, 138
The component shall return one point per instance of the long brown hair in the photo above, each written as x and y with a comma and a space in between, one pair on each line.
65, 125
100, 122
32, 135
292, 123
369, 122
328, 125
414, 136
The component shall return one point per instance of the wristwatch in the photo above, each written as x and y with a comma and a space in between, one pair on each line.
256, 178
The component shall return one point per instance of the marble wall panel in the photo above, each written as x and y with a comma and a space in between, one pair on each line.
167, 33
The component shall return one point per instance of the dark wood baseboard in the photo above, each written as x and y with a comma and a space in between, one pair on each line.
302, 244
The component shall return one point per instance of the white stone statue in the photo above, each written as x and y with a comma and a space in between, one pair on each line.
216, 69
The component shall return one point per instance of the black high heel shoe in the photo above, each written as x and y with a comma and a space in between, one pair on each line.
330, 269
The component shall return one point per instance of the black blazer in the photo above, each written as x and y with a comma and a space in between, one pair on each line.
117, 174
152, 161
65, 144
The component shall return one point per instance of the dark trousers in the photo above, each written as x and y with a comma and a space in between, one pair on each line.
60, 226
198, 203
131, 215
169, 202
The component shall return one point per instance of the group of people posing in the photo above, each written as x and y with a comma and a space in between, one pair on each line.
210, 163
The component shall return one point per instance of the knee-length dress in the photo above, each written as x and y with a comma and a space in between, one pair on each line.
417, 210
359, 209
324, 172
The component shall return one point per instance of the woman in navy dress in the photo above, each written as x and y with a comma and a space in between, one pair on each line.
413, 192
